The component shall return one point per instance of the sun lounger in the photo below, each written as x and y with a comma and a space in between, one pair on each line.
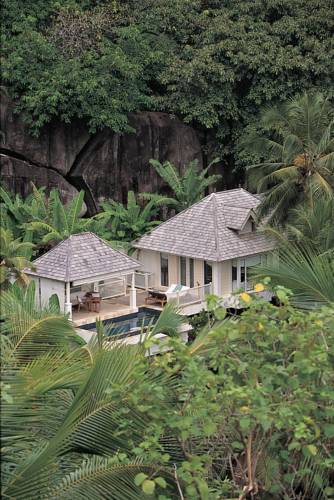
156, 296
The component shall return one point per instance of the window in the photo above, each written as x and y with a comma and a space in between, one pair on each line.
234, 275
253, 261
164, 269
207, 273
183, 271
241, 272
191, 273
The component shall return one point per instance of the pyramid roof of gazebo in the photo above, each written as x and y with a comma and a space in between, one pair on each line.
81, 257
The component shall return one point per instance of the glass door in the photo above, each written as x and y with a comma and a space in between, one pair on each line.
187, 271
241, 276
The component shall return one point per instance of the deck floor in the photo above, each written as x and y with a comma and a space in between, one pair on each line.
111, 308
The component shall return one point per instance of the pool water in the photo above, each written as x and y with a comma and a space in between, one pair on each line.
126, 324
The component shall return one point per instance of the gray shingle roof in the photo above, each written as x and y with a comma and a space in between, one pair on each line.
208, 229
82, 256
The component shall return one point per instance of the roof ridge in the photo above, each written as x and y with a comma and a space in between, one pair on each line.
50, 251
236, 206
174, 217
112, 248
215, 224
68, 258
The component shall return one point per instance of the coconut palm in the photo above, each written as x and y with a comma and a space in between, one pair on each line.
131, 221
63, 410
313, 225
308, 274
297, 143
13, 258
189, 187
308, 225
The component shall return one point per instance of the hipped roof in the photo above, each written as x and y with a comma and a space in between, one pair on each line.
80, 257
210, 229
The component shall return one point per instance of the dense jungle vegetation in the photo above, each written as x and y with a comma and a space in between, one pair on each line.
214, 63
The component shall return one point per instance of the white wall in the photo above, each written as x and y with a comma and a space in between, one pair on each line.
221, 272
50, 287
150, 261
226, 277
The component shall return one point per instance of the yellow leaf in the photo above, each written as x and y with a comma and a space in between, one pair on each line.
245, 297
259, 287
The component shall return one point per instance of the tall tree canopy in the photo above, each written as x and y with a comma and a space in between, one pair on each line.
214, 63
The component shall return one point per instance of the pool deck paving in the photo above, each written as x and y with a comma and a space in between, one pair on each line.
111, 308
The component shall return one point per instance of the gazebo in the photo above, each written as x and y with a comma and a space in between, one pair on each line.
80, 260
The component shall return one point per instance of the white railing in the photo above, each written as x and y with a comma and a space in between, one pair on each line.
193, 295
115, 287
143, 280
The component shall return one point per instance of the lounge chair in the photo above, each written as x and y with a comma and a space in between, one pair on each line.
156, 296
175, 291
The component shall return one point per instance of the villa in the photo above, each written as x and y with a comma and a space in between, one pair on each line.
208, 248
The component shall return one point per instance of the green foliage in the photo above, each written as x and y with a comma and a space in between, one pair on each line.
313, 225
127, 223
212, 63
40, 218
251, 410
189, 187
56, 222
246, 407
298, 147
14, 258
304, 260
64, 409
93, 70
303, 270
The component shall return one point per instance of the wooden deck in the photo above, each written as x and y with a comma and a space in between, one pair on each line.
111, 308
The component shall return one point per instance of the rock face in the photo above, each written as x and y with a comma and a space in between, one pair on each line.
105, 165
16, 176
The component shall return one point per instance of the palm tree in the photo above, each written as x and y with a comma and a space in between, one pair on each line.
305, 259
14, 258
308, 274
63, 410
131, 221
313, 225
298, 144
189, 187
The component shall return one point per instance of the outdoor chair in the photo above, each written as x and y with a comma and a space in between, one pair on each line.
81, 302
156, 296
93, 300
175, 291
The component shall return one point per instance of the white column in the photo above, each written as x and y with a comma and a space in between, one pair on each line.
68, 304
95, 286
216, 278
133, 294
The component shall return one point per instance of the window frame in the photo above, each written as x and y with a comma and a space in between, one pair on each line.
207, 265
164, 269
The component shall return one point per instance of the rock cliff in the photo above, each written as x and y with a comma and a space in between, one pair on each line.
105, 164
